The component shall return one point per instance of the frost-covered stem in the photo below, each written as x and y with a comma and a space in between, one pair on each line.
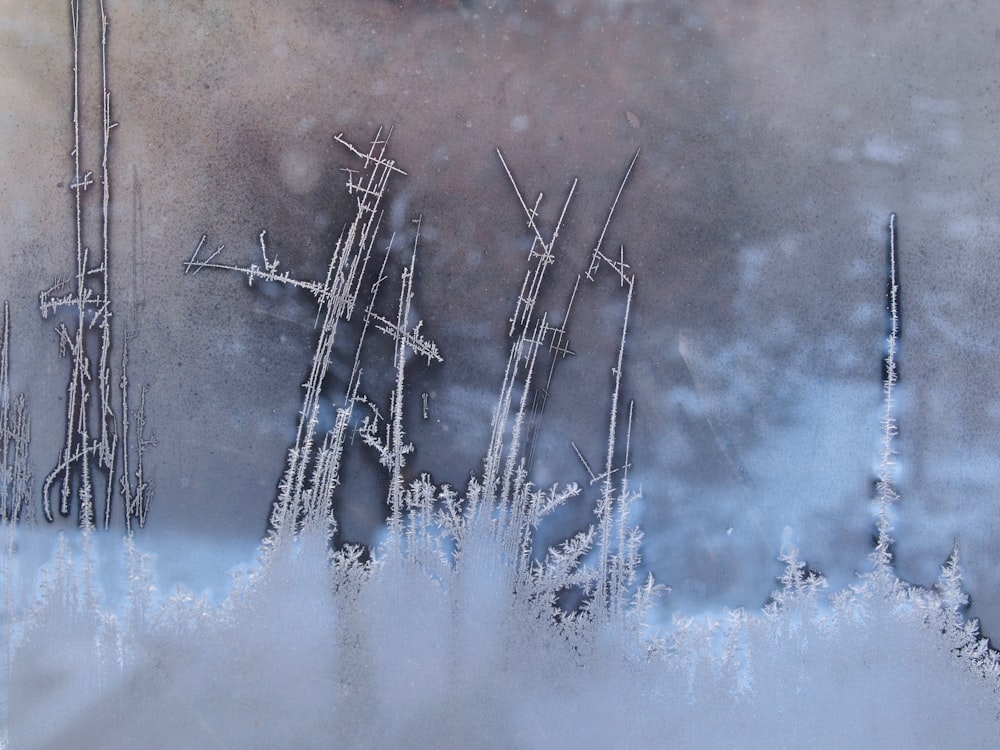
559, 348
606, 502
501, 412
509, 493
135, 498
15, 435
5, 433
22, 479
597, 257
398, 449
126, 485
109, 438
619, 575
143, 489
521, 322
533, 277
91, 299
300, 456
882, 555
78, 375
326, 475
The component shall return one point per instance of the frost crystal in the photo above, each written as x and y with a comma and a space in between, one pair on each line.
461, 628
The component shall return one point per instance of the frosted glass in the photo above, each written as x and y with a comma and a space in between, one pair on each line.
752, 154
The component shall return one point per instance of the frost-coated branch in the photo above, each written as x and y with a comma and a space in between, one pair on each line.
312, 469
886, 493
15, 436
89, 460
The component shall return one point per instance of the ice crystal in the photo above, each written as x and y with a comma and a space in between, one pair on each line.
461, 628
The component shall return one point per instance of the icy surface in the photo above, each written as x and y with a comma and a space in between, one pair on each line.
774, 144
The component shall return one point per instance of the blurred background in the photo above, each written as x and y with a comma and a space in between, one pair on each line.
774, 143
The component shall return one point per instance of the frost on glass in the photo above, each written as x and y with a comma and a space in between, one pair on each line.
460, 627
94, 464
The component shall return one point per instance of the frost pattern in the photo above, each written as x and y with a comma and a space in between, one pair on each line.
96, 445
15, 435
456, 631
501, 508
